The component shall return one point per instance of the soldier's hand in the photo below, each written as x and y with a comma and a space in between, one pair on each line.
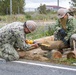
35, 45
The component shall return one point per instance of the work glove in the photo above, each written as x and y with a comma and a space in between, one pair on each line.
35, 45
61, 33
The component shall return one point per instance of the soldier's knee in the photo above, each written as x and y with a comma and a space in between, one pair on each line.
12, 58
17, 57
73, 37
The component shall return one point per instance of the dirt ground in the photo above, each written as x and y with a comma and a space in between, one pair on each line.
45, 56
52, 56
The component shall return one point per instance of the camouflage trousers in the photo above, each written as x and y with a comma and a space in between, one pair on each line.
8, 52
73, 37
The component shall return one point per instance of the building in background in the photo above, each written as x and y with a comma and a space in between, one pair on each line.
48, 7
53, 7
30, 9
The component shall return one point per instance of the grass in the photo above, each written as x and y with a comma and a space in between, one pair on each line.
12, 18
41, 31
71, 61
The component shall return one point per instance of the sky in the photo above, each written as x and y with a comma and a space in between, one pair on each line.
36, 3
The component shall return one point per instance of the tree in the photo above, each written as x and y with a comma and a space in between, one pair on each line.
42, 9
17, 6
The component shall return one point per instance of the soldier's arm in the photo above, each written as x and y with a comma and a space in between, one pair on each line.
57, 26
70, 30
20, 38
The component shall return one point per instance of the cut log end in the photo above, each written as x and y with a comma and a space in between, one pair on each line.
71, 55
56, 54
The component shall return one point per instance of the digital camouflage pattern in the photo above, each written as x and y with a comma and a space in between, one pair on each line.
12, 35
70, 28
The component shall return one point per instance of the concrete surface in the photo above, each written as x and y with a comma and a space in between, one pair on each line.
34, 68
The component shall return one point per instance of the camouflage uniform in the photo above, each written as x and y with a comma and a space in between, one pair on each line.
73, 37
70, 28
12, 35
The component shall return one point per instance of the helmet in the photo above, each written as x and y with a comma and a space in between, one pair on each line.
31, 25
61, 12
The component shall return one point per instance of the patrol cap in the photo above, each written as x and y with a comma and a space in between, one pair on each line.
61, 12
31, 25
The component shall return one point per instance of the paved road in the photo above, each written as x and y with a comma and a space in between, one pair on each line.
34, 68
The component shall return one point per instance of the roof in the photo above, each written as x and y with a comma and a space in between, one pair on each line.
54, 6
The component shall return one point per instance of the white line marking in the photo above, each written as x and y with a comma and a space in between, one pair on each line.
43, 65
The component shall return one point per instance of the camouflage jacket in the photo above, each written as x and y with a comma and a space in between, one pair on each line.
70, 27
13, 34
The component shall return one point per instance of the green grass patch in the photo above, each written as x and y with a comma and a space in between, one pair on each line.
41, 31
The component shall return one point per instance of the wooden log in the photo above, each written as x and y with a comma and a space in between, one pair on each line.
45, 39
56, 54
52, 45
71, 55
